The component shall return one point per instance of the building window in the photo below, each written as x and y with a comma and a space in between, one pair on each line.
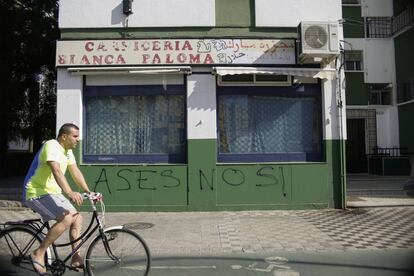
380, 94
378, 27
353, 60
135, 124
265, 124
405, 91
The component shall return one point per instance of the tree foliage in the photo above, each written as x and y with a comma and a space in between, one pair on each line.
28, 90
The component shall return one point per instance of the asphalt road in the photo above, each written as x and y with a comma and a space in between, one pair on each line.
366, 263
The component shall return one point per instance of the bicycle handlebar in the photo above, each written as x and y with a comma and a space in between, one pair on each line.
93, 196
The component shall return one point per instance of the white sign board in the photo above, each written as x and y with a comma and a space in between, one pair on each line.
175, 51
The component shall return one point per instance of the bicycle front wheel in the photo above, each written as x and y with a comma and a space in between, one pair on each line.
122, 252
16, 245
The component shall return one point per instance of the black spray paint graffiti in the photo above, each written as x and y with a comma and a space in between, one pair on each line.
141, 178
235, 177
230, 176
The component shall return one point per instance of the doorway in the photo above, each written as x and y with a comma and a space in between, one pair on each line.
356, 158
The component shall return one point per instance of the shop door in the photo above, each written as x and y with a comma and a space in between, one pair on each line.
356, 159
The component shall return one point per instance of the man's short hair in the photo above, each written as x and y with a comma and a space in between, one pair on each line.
65, 129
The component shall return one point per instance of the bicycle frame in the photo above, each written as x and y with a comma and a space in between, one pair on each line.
84, 237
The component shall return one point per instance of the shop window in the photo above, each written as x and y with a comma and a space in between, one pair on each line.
380, 94
269, 124
134, 124
353, 60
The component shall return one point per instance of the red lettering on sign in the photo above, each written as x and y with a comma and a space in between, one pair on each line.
195, 58
101, 47
145, 46
187, 46
120, 60
89, 46
136, 46
156, 46
145, 58
156, 59
208, 59
85, 60
181, 58
168, 46
109, 59
168, 59
61, 59
97, 59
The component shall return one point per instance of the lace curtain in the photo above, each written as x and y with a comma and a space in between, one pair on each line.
127, 125
267, 124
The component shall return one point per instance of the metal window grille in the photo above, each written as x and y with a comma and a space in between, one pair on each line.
353, 60
378, 27
403, 19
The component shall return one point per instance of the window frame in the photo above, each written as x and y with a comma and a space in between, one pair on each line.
380, 93
308, 90
354, 62
133, 90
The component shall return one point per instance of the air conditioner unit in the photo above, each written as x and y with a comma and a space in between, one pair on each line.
318, 42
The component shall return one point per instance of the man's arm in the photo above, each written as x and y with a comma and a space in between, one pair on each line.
78, 178
63, 183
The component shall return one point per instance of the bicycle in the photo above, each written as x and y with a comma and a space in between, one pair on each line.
114, 250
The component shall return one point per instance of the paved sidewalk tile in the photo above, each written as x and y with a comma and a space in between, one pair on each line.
215, 233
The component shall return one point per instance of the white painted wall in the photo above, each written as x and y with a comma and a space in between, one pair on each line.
376, 7
69, 100
354, 44
387, 127
282, 13
379, 60
146, 13
201, 107
333, 117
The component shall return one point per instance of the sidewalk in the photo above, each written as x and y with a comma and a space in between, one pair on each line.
365, 190
218, 233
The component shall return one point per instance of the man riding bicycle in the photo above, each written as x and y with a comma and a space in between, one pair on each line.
43, 188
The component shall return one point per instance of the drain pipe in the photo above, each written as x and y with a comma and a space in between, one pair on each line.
340, 105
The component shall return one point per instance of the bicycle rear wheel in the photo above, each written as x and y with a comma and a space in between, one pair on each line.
131, 254
16, 245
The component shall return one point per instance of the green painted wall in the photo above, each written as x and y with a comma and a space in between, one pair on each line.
356, 91
354, 22
235, 13
202, 174
205, 185
400, 5
404, 55
406, 120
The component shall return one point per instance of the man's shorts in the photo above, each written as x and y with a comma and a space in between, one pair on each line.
50, 206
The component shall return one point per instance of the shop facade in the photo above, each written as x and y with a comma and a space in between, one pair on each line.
205, 105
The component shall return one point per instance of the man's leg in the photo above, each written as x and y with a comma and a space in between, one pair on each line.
74, 233
62, 223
